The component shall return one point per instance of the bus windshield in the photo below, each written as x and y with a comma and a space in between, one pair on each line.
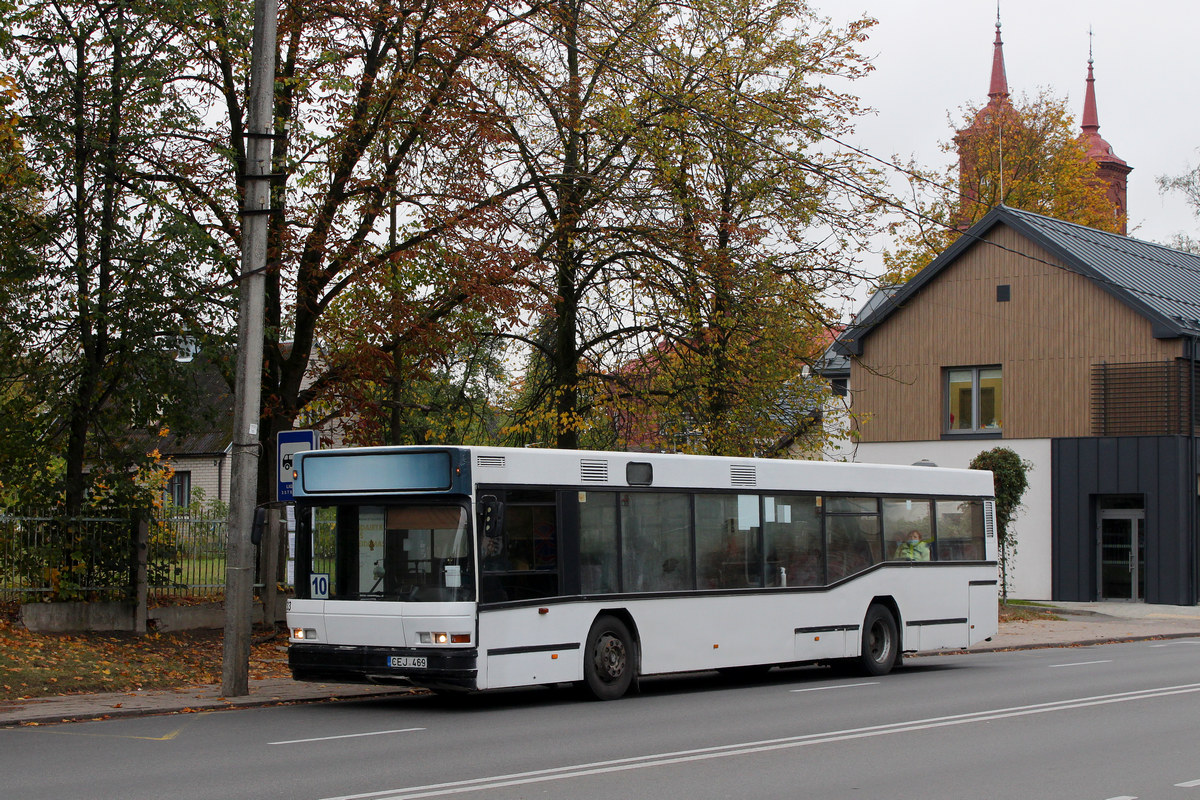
415, 553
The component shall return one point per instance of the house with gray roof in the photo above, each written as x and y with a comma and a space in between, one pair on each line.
1077, 349
201, 455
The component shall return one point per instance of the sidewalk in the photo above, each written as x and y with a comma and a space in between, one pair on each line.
1095, 623
1081, 624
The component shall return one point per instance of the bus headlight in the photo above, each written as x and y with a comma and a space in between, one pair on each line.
307, 634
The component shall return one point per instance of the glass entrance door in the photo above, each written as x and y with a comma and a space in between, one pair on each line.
1122, 555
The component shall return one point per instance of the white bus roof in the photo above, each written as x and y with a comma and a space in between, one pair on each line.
604, 469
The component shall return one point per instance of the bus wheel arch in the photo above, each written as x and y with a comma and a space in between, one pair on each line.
881, 644
611, 658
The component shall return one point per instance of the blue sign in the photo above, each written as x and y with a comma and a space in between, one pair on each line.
290, 443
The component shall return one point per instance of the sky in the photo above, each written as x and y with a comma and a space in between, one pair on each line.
932, 57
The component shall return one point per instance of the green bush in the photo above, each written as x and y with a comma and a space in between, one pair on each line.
1010, 472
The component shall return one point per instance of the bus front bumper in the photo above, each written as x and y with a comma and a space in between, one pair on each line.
450, 669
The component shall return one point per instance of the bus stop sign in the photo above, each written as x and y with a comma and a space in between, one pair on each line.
290, 443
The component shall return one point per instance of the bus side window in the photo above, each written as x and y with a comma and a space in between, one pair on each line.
795, 551
728, 530
521, 562
960, 530
900, 518
854, 544
598, 542
656, 541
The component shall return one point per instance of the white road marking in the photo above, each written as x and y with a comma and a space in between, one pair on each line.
1082, 663
839, 686
1124, 797
764, 746
347, 736
1188, 785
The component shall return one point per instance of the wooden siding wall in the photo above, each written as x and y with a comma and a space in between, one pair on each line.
1056, 325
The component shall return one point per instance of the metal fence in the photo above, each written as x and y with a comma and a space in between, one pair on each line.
44, 557
187, 555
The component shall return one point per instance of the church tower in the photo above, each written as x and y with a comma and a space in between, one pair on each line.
981, 146
1111, 170
967, 154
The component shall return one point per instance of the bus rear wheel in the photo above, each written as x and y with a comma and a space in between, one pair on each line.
880, 642
609, 661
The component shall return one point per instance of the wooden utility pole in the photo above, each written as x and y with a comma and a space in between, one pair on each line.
256, 208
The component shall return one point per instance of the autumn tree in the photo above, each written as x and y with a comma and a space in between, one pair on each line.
679, 197
574, 93
376, 114
20, 207
419, 390
20, 456
1026, 154
756, 220
112, 278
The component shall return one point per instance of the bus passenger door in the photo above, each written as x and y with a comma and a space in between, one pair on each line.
520, 562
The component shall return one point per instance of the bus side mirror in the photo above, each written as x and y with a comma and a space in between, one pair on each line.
260, 522
491, 516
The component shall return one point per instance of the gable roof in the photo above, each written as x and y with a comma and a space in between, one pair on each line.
835, 363
1161, 284
211, 412
208, 427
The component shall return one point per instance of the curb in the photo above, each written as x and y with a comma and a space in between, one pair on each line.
201, 705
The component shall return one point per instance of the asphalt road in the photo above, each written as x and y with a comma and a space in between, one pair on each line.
1097, 723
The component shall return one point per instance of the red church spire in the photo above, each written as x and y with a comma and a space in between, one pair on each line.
1110, 168
1091, 120
998, 89
984, 124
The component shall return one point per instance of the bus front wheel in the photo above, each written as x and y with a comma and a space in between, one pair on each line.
880, 642
609, 661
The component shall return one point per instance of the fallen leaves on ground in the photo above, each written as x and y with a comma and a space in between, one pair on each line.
1021, 612
40, 665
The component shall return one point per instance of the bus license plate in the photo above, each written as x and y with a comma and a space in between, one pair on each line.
412, 662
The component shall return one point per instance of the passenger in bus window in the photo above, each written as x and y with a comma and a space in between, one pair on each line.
912, 548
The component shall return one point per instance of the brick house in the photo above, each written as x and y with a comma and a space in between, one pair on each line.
1077, 349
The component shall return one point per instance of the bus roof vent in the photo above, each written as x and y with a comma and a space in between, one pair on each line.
490, 461
593, 470
743, 475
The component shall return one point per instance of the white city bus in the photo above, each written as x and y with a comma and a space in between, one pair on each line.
485, 567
